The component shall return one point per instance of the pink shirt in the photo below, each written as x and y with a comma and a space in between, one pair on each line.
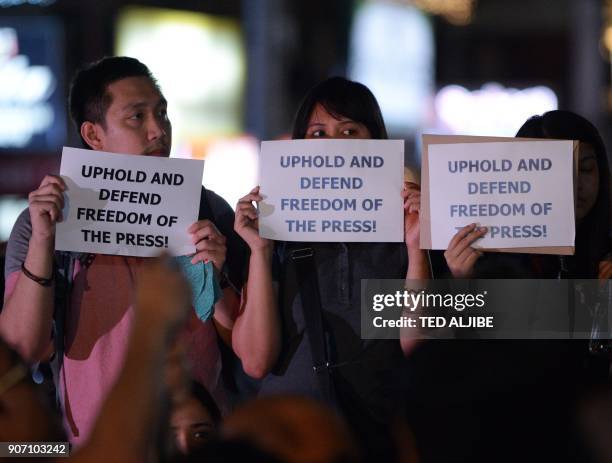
97, 332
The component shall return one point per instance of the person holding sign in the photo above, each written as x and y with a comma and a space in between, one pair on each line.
547, 377
85, 304
362, 378
592, 211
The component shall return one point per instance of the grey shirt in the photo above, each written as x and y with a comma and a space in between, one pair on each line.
368, 376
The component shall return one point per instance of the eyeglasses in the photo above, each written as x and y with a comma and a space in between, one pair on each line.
12, 377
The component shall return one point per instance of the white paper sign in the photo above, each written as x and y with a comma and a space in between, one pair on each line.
128, 205
332, 190
521, 191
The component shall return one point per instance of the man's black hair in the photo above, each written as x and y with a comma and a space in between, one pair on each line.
89, 99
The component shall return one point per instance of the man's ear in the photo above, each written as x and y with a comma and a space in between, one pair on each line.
92, 134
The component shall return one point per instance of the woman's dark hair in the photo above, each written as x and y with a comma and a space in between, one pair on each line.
341, 97
592, 234
201, 394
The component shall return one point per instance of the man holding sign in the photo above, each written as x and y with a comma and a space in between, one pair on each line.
118, 108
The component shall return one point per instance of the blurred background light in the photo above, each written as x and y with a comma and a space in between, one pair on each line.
392, 52
32, 105
493, 110
10, 208
199, 62
10, 3
458, 12
231, 167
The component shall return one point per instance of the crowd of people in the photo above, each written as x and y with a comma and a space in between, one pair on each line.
279, 371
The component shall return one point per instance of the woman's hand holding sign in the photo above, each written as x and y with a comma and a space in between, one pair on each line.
411, 194
256, 338
418, 263
246, 222
209, 243
460, 255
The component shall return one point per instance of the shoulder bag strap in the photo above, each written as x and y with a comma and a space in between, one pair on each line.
306, 273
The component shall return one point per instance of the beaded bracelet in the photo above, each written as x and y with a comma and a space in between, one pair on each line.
39, 280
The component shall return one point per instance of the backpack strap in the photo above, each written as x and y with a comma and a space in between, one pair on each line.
64, 272
205, 211
230, 275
